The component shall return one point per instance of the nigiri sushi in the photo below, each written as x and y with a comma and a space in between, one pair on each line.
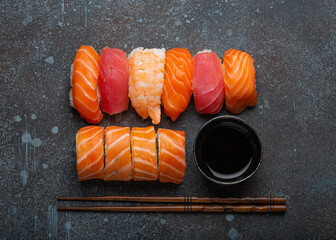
176, 91
239, 81
84, 95
144, 159
146, 77
118, 165
207, 83
172, 155
113, 80
90, 153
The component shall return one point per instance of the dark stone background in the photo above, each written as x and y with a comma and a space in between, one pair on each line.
293, 44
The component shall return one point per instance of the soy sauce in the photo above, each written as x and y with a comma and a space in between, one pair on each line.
227, 151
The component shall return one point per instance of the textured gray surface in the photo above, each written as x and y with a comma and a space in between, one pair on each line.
293, 44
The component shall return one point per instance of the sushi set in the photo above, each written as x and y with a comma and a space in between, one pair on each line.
226, 149
149, 78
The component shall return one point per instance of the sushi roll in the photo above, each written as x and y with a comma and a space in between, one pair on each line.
90, 153
146, 77
172, 155
144, 158
118, 165
239, 81
113, 80
84, 94
207, 83
176, 91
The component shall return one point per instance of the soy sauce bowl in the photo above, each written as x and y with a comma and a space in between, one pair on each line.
227, 150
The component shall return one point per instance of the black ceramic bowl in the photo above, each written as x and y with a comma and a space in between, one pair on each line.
227, 150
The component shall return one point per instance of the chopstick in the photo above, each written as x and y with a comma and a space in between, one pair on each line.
184, 208
182, 199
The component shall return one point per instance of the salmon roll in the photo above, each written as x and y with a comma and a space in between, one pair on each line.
239, 81
207, 83
176, 91
172, 155
118, 165
84, 94
90, 153
146, 77
144, 157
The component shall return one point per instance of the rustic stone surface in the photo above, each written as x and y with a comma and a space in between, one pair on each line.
293, 44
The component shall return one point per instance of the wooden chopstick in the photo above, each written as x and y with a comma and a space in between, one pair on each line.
184, 208
182, 199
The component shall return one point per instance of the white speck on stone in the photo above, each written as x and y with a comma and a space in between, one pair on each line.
125, 45
33, 116
271, 6
261, 106
258, 66
187, 21
233, 234
36, 142
140, 20
44, 96
27, 20
74, 9
67, 225
229, 32
26, 138
50, 60
24, 177
162, 221
294, 149
177, 39
54, 130
226, 1
17, 118
282, 2
60, 24
106, 219
229, 218
252, 24
45, 165
178, 23
258, 10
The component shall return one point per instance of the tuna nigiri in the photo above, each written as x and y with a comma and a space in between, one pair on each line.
176, 91
90, 153
113, 80
172, 155
239, 81
118, 164
146, 77
84, 95
207, 83
144, 159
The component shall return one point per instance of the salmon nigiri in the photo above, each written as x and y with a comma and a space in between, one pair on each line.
144, 159
90, 153
176, 91
146, 77
113, 80
207, 83
118, 165
84, 95
172, 155
239, 81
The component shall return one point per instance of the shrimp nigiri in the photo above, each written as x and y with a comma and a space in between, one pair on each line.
146, 77
176, 91
84, 95
239, 81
